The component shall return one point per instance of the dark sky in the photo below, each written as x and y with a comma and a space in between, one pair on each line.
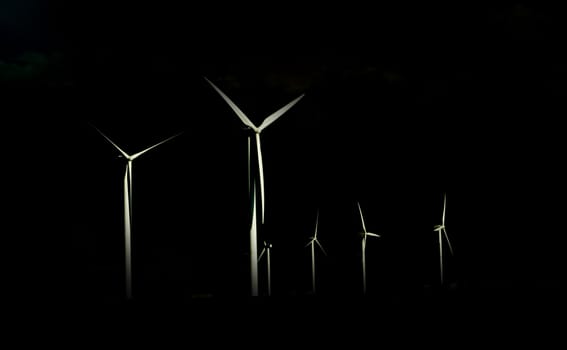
401, 105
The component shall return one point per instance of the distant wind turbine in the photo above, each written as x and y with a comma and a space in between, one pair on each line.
440, 229
312, 241
128, 205
364, 234
266, 250
260, 176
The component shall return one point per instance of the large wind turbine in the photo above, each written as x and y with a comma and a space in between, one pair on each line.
260, 176
364, 234
312, 241
266, 250
440, 229
128, 205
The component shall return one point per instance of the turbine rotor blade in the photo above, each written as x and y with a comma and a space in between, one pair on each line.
261, 254
320, 246
261, 175
316, 225
127, 236
444, 208
154, 146
448, 241
372, 234
253, 226
115, 145
129, 165
361, 217
249, 170
127, 190
234, 107
274, 116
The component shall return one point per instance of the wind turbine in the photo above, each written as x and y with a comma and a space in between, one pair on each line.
128, 205
260, 177
312, 241
364, 234
266, 250
440, 229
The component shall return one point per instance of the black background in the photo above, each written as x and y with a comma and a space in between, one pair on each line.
402, 104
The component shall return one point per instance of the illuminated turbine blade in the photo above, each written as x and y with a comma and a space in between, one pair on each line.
129, 165
248, 165
311, 240
448, 241
361, 217
440, 257
127, 238
269, 268
234, 107
115, 145
274, 116
313, 280
364, 264
444, 207
320, 246
154, 146
316, 225
261, 253
261, 175
372, 234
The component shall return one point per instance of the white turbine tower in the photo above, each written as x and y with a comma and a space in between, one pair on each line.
364, 234
266, 250
440, 229
128, 206
260, 176
312, 241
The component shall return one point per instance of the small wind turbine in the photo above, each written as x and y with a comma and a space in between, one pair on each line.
266, 250
128, 205
312, 241
440, 229
364, 234
260, 177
